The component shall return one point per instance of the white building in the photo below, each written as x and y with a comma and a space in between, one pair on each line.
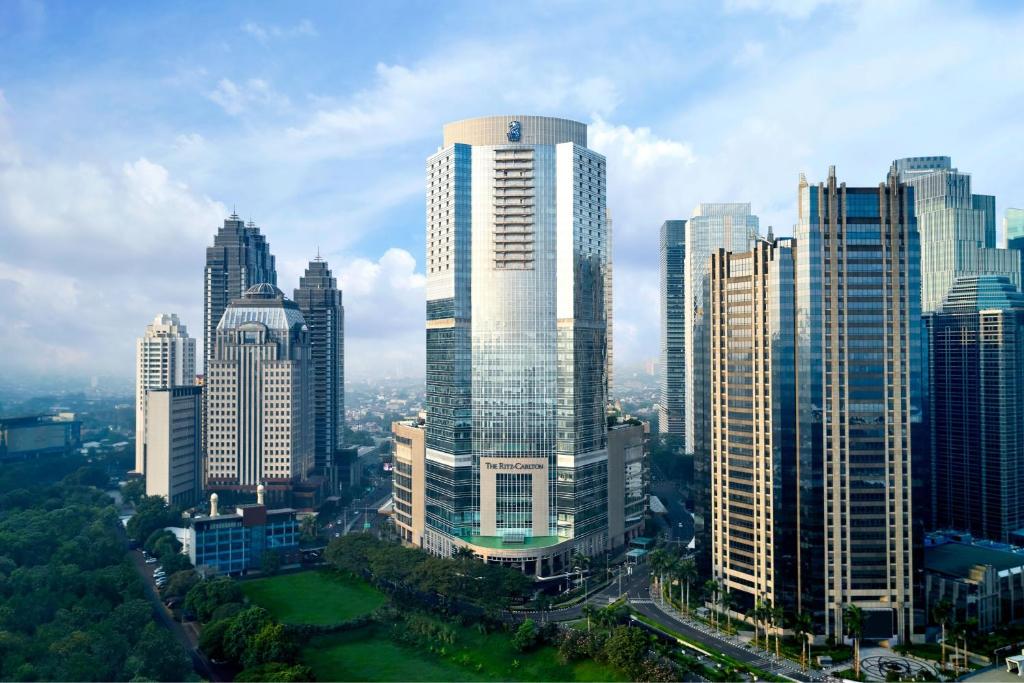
174, 444
165, 356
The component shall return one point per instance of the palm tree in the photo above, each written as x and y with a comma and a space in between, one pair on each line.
777, 616
589, 611
687, 574
803, 627
853, 620
711, 589
727, 601
759, 613
956, 631
308, 528
660, 561
941, 613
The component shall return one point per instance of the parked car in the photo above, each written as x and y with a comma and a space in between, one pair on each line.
151, 560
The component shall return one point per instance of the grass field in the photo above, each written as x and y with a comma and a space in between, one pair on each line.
315, 597
370, 655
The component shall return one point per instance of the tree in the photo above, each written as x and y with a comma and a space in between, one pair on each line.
687, 574
270, 563
777, 616
241, 629
727, 602
626, 649
589, 611
526, 636
175, 562
285, 673
803, 627
206, 596
133, 490
542, 603
941, 613
157, 658
270, 644
308, 529
180, 583
853, 620
211, 639
711, 589
151, 514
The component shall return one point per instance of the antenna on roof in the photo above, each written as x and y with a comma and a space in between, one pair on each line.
318, 254
234, 213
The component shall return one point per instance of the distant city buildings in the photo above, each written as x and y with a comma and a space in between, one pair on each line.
319, 299
516, 440
672, 400
259, 388
173, 429
957, 228
165, 356
976, 391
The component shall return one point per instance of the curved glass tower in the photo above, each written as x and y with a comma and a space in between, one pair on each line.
517, 264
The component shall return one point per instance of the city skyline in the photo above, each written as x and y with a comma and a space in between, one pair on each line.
329, 158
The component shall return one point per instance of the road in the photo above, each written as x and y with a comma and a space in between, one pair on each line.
186, 636
360, 510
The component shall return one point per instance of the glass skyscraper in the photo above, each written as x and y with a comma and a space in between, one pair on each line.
672, 399
957, 228
859, 412
1013, 232
976, 390
517, 261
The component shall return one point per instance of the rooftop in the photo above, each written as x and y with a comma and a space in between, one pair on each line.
957, 559
498, 543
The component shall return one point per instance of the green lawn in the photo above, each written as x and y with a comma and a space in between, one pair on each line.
313, 597
368, 654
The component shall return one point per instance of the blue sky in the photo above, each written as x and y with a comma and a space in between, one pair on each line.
129, 130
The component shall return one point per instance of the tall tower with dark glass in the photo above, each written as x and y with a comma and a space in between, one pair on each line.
239, 258
319, 299
672, 399
859, 412
976, 388
517, 259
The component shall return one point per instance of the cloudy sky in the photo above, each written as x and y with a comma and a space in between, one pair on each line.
128, 131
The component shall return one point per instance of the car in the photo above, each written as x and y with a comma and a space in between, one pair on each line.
151, 560
160, 576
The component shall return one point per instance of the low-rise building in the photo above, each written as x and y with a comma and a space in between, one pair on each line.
235, 543
981, 579
39, 435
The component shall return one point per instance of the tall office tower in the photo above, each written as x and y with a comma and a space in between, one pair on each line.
672, 399
239, 258
608, 311
165, 356
259, 389
173, 444
957, 228
517, 254
976, 389
753, 425
859, 412
319, 299
1013, 233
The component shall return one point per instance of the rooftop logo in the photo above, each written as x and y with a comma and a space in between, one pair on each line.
515, 130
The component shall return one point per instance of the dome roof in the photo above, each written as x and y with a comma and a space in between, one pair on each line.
263, 290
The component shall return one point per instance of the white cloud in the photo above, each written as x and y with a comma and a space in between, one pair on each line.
266, 32
792, 9
236, 99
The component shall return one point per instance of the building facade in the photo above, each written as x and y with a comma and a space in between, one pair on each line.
628, 484
672, 395
517, 259
754, 535
1013, 233
957, 228
259, 389
236, 543
408, 480
859, 412
39, 435
174, 444
319, 299
976, 389
165, 356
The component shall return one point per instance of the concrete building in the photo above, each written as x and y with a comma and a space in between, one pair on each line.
259, 407
165, 356
628, 484
982, 580
408, 480
754, 534
517, 258
174, 444
39, 435
672, 397
976, 389
957, 228
319, 299
859, 404
236, 543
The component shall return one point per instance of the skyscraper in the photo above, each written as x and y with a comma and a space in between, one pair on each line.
711, 227
165, 356
174, 444
609, 316
259, 388
239, 258
957, 228
976, 390
319, 299
672, 399
859, 413
753, 425
1013, 233
517, 255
